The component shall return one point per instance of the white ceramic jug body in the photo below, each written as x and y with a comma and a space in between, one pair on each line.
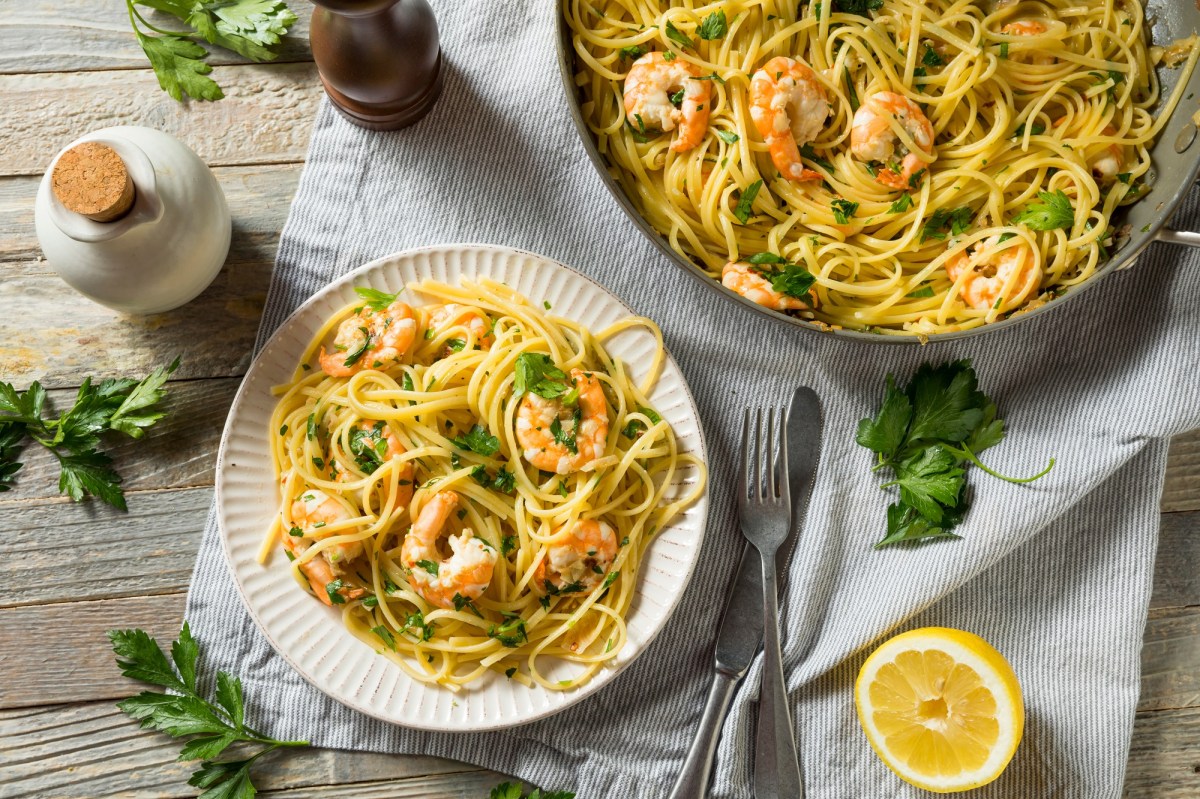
160, 255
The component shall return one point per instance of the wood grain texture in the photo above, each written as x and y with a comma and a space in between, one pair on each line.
180, 451
1177, 564
1170, 655
265, 118
1164, 759
1181, 490
62, 551
77, 35
89, 750
214, 333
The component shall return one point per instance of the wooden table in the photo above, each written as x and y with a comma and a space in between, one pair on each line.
69, 572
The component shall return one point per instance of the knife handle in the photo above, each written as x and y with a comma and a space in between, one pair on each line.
692, 782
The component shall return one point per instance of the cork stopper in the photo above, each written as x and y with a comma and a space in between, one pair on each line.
91, 179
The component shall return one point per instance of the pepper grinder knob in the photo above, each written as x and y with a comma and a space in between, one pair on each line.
379, 60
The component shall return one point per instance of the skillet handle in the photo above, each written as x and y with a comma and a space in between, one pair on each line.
1185, 237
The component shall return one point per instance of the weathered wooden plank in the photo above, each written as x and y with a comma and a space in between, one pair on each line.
76, 35
259, 197
1176, 574
1181, 491
1170, 655
265, 118
76, 337
1171, 659
93, 749
180, 451
61, 551
84, 667
1164, 758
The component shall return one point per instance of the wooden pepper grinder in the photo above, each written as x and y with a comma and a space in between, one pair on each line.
380, 60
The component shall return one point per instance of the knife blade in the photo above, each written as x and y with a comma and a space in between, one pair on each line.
740, 633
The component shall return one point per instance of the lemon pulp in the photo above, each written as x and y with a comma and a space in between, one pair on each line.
941, 707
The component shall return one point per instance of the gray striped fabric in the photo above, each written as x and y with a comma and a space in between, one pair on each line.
1056, 574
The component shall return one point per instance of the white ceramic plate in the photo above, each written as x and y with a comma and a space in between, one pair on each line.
310, 636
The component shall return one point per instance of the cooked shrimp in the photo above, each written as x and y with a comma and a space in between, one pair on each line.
465, 574
648, 88
311, 512
562, 438
1110, 161
577, 558
872, 138
371, 339
1028, 27
1005, 279
742, 278
376, 445
473, 319
789, 107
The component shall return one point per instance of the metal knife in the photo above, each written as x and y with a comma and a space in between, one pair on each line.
740, 634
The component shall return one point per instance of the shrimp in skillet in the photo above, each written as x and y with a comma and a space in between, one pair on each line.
1028, 27
789, 107
1004, 279
745, 280
468, 570
873, 138
648, 88
371, 339
577, 558
560, 437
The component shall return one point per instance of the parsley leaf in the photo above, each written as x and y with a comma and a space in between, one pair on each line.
809, 152
856, 6
507, 790
677, 36
843, 210
714, 26
124, 405
901, 205
212, 725
632, 52
1054, 212
251, 28
1034, 129
376, 300
511, 633
932, 58
536, 373
728, 136
786, 278
956, 220
478, 440
926, 433
746, 201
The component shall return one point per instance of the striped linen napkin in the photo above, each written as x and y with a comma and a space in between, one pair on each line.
1055, 574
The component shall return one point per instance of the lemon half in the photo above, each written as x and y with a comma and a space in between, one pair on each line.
942, 708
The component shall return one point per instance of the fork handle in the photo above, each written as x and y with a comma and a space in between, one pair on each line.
692, 782
776, 767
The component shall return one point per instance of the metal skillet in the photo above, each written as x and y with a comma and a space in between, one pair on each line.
1175, 163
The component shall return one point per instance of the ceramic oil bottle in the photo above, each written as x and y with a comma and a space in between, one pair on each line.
133, 219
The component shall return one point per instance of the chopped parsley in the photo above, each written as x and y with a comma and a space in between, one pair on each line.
386, 636
714, 26
511, 633
478, 440
537, 374
943, 219
633, 429
808, 152
677, 36
633, 52
786, 278
429, 566
843, 210
333, 591
358, 352
376, 300
728, 136
901, 205
1054, 212
746, 201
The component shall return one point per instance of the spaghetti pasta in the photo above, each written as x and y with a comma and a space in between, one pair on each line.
410, 493
1042, 112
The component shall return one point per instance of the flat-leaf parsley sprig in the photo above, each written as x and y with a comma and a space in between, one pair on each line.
926, 433
507, 790
212, 727
251, 28
123, 405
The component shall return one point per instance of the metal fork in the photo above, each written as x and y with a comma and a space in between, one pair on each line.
765, 515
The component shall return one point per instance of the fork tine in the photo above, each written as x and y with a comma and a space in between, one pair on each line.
769, 458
